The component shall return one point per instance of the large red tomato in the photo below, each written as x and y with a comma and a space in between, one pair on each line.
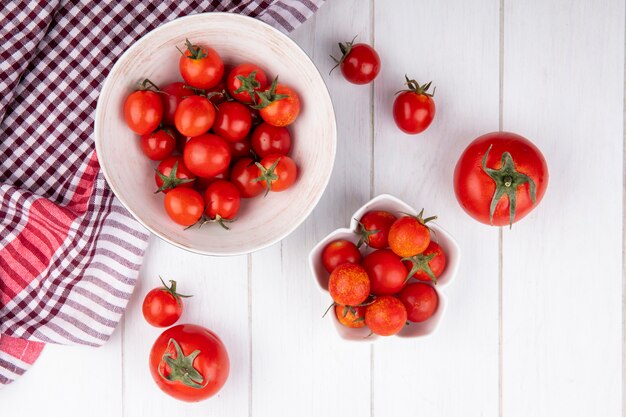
500, 178
189, 362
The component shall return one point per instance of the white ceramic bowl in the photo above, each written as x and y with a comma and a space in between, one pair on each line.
262, 221
396, 206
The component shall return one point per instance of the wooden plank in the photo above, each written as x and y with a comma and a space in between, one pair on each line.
220, 292
454, 44
300, 366
563, 89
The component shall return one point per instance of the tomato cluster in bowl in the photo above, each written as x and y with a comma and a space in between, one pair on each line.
219, 135
386, 272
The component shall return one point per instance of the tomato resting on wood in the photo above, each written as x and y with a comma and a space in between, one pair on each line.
414, 109
500, 178
163, 306
359, 63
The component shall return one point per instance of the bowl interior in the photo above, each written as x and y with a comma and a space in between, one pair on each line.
262, 221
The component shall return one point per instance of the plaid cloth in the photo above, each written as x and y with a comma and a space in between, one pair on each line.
69, 252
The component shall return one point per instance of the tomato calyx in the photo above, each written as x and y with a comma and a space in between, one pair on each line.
249, 84
181, 367
507, 180
364, 234
345, 48
195, 51
420, 263
415, 87
370, 300
171, 181
147, 85
420, 217
267, 174
218, 219
268, 96
172, 290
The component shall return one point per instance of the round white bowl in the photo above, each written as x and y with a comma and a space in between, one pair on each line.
261, 221
443, 238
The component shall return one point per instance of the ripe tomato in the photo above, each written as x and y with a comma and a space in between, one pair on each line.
201, 183
278, 106
189, 362
409, 235
244, 80
171, 173
217, 94
374, 229
158, 145
194, 116
278, 172
429, 265
240, 149
267, 140
414, 109
349, 316
243, 175
163, 306
232, 121
184, 205
495, 165
340, 252
201, 67
222, 202
386, 316
386, 271
349, 285
171, 96
359, 63
143, 111
421, 301
207, 155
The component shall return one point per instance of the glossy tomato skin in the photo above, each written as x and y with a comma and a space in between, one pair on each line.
339, 252
182, 172
207, 155
474, 189
408, 236
203, 72
267, 140
160, 308
242, 175
143, 111
201, 183
172, 95
353, 317
212, 362
386, 271
437, 264
232, 121
240, 149
184, 205
158, 145
421, 301
233, 83
222, 200
285, 169
282, 112
386, 316
413, 112
349, 285
377, 220
361, 65
194, 116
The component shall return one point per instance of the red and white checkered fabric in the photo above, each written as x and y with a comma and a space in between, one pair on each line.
69, 252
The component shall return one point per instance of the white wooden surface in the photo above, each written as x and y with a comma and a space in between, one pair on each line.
535, 324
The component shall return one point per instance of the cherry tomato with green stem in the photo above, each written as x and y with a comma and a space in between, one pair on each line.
171, 173
374, 228
243, 175
143, 111
201, 66
351, 316
279, 105
222, 200
409, 235
244, 81
359, 63
163, 306
428, 265
278, 173
414, 108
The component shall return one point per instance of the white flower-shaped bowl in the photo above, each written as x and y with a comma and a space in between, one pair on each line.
397, 207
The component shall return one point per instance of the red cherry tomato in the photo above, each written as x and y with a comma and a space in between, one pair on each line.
222, 200
217, 94
429, 265
184, 206
163, 306
278, 172
194, 116
232, 121
349, 285
414, 109
496, 170
201, 183
374, 228
242, 83
386, 316
207, 155
243, 174
278, 106
340, 252
240, 149
349, 316
171, 173
171, 96
143, 111
359, 63
421, 301
409, 235
201, 67
267, 140
386, 271
189, 362
158, 145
